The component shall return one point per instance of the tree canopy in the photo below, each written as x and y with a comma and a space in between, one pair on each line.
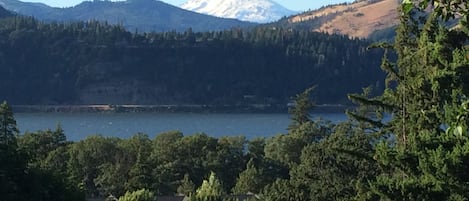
96, 63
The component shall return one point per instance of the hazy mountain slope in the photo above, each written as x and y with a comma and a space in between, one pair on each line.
247, 10
4, 12
28, 9
141, 15
358, 19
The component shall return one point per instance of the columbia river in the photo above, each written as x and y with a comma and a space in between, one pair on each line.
78, 126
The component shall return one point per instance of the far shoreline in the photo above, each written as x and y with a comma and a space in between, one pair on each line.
128, 108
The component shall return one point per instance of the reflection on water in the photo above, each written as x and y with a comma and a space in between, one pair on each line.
79, 125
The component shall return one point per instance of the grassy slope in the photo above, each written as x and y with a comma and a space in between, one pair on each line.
359, 19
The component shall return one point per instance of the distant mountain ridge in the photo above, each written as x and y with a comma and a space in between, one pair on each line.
141, 15
260, 11
359, 19
4, 12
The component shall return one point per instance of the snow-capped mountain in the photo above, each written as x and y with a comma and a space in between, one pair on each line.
261, 11
141, 15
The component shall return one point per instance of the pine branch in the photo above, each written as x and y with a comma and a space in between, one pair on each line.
357, 98
361, 118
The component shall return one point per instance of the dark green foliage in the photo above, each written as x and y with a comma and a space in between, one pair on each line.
11, 163
8, 129
425, 157
287, 148
92, 62
26, 172
256, 149
268, 169
38, 145
446, 9
141, 172
91, 160
325, 161
249, 181
99, 166
168, 165
138, 195
332, 168
229, 160
420, 153
330, 163
187, 187
210, 190
282, 190
301, 109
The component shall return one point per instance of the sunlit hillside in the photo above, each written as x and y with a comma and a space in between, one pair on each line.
359, 19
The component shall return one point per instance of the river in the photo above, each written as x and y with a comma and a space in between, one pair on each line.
78, 126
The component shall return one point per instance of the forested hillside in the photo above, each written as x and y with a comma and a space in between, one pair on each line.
92, 62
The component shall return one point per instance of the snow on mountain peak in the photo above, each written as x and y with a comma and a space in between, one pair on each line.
261, 11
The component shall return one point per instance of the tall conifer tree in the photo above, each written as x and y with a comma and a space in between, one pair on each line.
426, 155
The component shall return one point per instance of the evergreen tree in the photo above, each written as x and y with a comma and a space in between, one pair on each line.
301, 109
38, 145
250, 180
187, 187
210, 190
140, 175
139, 195
8, 129
332, 168
426, 155
283, 190
12, 166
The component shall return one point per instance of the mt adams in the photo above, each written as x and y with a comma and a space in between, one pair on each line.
260, 11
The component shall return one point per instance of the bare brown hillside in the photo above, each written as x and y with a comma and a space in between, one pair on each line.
358, 19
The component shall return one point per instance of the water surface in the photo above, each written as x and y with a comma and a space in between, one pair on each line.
78, 126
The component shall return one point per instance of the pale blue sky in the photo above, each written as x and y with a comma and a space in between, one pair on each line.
297, 5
